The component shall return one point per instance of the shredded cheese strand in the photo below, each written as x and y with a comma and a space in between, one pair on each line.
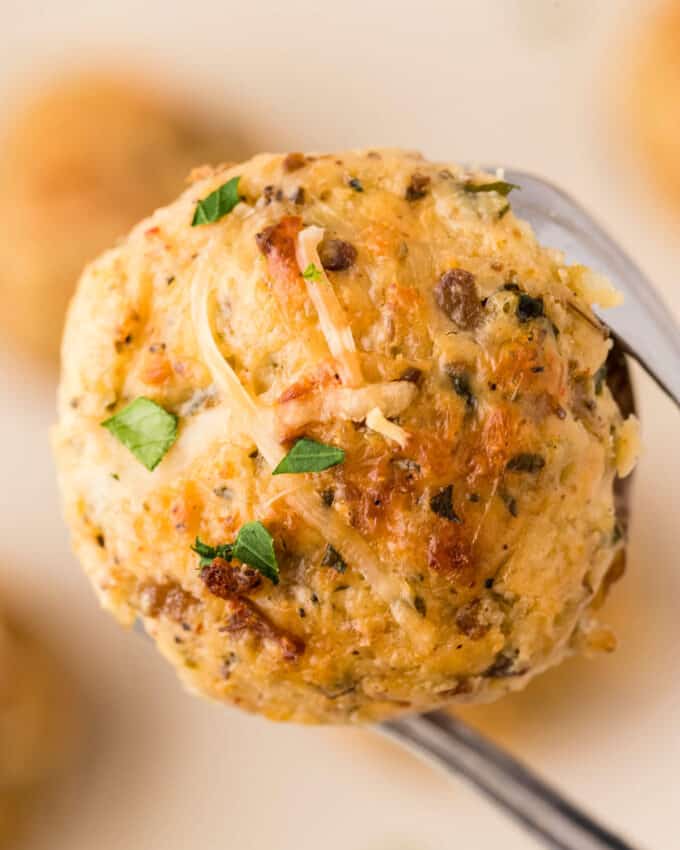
377, 422
394, 592
389, 398
332, 318
241, 403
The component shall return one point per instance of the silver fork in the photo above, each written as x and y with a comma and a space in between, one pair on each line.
643, 325
644, 328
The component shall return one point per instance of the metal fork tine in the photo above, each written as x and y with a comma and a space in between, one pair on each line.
643, 324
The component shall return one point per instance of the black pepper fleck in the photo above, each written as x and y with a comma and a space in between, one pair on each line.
460, 380
510, 503
442, 504
412, 375
529, 308
526, 462
418, 187
332, 558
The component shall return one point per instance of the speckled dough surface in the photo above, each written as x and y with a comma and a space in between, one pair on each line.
461, 545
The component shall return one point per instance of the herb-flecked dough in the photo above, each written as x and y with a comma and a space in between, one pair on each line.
426, 381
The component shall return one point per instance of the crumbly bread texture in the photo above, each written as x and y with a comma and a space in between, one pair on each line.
80, 164
459, 548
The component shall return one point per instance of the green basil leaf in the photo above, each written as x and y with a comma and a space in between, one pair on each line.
312, 273
499, 186
310, 456
254, 546
207, 554
217, 204
146, 429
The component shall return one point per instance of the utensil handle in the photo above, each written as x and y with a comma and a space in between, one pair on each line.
539, 808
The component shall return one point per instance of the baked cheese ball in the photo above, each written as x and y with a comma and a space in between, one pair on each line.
653, 108
79, 165
35, 737
337, 430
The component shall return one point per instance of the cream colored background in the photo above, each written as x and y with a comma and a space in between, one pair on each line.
527, 83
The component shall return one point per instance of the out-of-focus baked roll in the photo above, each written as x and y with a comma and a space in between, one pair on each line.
36, 726
653, 103
79, 165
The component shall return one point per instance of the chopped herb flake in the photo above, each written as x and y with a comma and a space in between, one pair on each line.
503, 211
253, 546
355, 183
526, 462
217, 204
599, 379
145, 428
309, 456
207, 554
460, 381
510, 503
332, 558
312, 273
442, 504
499, 186
529, 308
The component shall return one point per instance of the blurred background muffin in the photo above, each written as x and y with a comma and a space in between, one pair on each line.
80, 163
654, 92
37, 728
